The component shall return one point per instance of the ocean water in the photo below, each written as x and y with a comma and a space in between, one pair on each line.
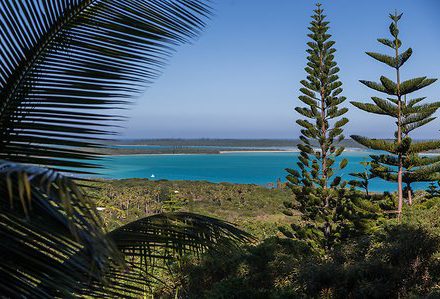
251, 168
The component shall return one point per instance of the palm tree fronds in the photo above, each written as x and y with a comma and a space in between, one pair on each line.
51, 239
64, 62
177, 233
152, 243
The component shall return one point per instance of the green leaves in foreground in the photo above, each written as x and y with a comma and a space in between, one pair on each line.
51, 238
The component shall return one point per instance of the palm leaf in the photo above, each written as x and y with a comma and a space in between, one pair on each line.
64, 62
180, 232
153, 242
51, 238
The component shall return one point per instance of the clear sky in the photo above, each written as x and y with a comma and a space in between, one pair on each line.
240, 79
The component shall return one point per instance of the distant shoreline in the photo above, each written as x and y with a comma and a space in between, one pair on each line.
258, 151
219, 153
349, 150
156, 147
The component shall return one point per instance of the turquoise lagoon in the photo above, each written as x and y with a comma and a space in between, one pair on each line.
244, 167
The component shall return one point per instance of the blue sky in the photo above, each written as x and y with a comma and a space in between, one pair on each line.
240, 79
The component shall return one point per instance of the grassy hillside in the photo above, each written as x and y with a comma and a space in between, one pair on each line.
253, 208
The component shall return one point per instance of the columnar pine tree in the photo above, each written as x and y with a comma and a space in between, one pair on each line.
403, 163
314, 183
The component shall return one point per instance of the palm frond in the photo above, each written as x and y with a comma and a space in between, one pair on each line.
153, 242
64, 62
180, 232
51, 239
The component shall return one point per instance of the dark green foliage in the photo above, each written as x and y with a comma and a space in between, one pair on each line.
403, 162
269, 270
393, 262
347, 215
362, 178
396, 262
54, 244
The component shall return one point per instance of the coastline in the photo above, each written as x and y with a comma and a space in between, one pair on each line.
219, 153
259, 151
225, 152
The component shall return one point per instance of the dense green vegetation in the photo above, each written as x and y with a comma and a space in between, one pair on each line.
254, 208
390, 260
394, 262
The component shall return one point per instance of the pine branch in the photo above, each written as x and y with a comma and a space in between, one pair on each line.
374, 85
388, 60
390, 109
369, 108
403, 57
415, 84
375, 144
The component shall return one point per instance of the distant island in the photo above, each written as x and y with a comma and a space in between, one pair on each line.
269, 143
208, 146
203, 146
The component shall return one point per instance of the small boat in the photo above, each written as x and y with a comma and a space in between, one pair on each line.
152, 176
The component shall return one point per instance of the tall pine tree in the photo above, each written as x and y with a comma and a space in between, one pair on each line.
314, 184
403, 162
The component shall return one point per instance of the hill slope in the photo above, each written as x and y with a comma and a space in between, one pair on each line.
253, 208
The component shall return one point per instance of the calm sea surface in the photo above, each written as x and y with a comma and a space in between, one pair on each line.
251, 168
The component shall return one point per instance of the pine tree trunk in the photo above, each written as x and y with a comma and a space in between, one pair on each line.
327, 234
323, 146
399, 188
399, 138
366, 182
409, 196
327, 229
324, 135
